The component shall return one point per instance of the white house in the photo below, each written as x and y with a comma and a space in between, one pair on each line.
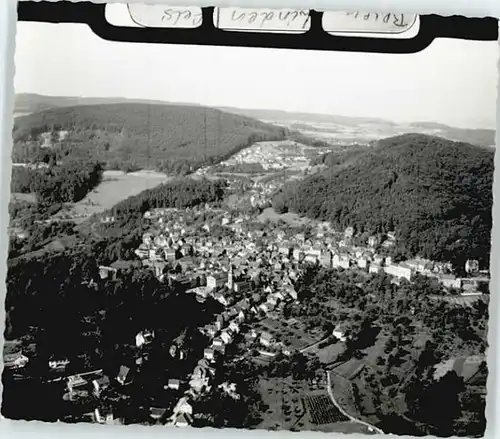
372, 241
264, 307
144, 338
222, 299
104, 415
173, 384
234, 327
58, 364
124, 376
375, 268
218, 341
362, 263
208, 354
226, 337
157, 413
339, 333
75, 382
183, 406
183, 420
266, 339
100, 384
216, 281
341, 261
15, 361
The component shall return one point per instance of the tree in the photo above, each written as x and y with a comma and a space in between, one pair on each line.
438, 403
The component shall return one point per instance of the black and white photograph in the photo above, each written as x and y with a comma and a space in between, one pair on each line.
253, 238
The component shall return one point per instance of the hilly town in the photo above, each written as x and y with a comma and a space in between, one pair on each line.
250, 266
271, 280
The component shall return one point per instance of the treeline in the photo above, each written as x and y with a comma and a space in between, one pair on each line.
436, 194
176, 139
344, 154
308, 140
67, 182
179, 193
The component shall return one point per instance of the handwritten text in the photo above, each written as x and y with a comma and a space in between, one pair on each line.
398, 20
177, 17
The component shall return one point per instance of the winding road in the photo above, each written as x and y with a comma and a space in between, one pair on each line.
371, 428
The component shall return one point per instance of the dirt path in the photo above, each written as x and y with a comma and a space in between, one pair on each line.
371, 428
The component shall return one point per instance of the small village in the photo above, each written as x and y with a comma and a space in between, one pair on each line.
273, 156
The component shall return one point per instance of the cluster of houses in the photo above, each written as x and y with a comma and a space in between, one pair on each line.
176, 251
251, 272
93, 384
222, 332
271, 155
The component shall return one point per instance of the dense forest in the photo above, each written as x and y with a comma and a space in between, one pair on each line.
436, 194
180, 193
58, 304
343, 155
57, 183
128, 136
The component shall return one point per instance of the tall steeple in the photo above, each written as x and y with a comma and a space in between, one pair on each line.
230, 281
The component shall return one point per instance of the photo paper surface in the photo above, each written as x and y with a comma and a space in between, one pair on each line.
250, 238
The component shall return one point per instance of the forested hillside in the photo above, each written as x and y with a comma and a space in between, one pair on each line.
436, 194
127, 136
27, 103
68, 182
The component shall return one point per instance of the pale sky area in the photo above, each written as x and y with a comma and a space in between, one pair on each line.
452, 82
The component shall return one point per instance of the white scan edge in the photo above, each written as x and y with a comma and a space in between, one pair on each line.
34, 429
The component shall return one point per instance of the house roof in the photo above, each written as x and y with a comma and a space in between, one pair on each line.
203, 363
124, 371
157, 411
104, 411
266, 336
76, 379
184, 418
102, 380
13, 357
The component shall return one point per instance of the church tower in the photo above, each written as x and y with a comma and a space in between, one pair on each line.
230, 280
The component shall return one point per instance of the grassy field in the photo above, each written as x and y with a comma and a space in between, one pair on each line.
115, 187
329, 353
291, 332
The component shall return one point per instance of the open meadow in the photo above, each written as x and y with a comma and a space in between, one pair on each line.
115, 187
